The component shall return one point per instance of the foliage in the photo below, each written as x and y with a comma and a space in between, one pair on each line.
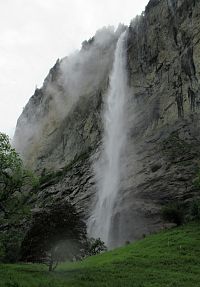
173, 213
14, 209
11, 172
168, 259
94, 246
30, 179
57, 233
13, 176
195, 210
10, 243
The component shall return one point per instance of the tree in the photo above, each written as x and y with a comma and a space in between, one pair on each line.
14, 209
56, 233
11, 171
13, 176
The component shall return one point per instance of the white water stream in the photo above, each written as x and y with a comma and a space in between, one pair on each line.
108, 167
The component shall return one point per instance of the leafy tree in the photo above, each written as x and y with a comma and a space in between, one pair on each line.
56, 233
13, 177
11, 172
14, 209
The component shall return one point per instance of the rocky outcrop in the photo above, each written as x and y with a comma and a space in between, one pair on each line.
163, 149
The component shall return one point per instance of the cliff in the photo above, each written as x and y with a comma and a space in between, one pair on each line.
60, 128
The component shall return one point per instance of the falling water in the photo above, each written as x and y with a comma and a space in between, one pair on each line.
108, 167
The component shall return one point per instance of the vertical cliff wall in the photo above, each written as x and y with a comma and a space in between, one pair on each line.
163, 145
163, 151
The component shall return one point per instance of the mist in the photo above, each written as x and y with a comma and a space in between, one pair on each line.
79, 74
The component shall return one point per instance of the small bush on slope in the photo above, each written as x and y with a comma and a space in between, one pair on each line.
195, 210
173, 213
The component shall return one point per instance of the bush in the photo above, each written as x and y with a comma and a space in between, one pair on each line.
94, 247
10, 243
173, 213
195, 210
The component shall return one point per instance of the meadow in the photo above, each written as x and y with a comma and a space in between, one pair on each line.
169, 258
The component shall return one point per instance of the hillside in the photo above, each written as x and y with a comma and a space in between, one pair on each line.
168, 259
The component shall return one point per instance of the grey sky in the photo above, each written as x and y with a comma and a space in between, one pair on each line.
34, 33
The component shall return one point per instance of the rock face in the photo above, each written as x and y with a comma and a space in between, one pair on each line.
163, 149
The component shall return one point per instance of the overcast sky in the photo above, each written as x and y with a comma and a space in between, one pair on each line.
34, 33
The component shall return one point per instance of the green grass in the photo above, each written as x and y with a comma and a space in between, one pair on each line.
170, 258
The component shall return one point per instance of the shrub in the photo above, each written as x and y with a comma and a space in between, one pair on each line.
173, 213
195, 210
94, 247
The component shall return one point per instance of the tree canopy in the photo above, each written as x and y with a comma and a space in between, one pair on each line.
15, 190
11, 168
13, 175
56, 233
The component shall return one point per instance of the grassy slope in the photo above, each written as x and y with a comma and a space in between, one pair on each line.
170, 258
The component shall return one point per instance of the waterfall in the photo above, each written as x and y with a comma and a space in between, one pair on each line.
108, 166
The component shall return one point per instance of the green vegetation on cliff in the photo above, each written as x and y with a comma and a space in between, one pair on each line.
15, 185
169, 258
